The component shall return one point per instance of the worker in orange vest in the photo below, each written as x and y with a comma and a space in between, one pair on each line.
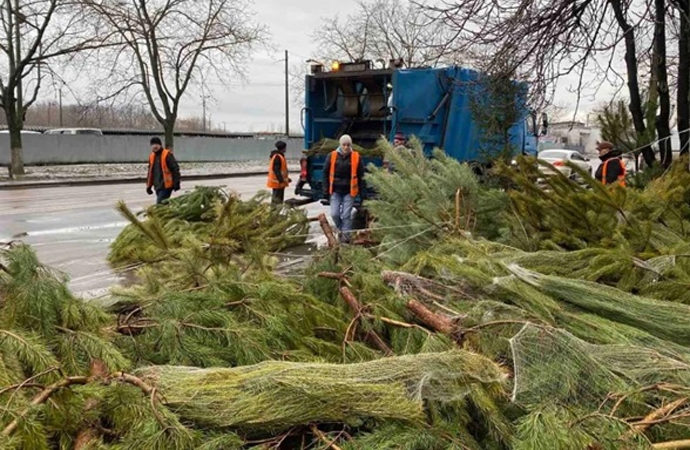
343, 181
278, 178
164, 173
612, 169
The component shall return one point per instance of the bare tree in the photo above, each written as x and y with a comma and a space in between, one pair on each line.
33, 35
620, 12
168, 45
550, 40
381, 30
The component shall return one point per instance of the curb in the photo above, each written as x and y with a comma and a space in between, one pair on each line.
10, 185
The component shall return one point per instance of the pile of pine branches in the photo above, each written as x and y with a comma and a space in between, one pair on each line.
207, 221
580, 289
75, 375
484, 316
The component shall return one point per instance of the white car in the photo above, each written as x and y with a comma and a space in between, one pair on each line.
21, 132
559, 159
74, 131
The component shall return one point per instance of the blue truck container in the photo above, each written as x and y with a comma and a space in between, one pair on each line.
433, 104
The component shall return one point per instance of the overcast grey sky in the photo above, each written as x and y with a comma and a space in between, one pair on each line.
257, 104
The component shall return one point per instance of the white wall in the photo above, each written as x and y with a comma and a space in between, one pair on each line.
66, 149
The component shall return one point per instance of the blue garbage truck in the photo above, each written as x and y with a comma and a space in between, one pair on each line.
437, 105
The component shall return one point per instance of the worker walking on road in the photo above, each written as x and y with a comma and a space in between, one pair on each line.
612, 169
343, 181
164, 173
278, 178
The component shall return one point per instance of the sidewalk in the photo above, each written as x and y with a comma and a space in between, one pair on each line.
85, 174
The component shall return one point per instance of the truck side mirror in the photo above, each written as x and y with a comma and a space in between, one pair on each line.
544, 124
533, 118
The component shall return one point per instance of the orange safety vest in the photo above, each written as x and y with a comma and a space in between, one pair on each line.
354, 181
273, 182
621, 177
167, 174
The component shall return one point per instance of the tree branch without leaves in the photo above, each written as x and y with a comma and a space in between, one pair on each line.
33, 35
174, 43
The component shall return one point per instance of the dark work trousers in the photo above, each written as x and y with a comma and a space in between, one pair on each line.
278, 196
162, 195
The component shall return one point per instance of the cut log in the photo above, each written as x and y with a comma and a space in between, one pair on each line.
371, 336
658, 414
86, 437
685, 443
429, 318
328, 231
350, 299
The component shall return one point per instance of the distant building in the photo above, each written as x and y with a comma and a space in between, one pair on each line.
572, 136
583, 137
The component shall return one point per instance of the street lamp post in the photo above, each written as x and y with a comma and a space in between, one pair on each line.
287, 98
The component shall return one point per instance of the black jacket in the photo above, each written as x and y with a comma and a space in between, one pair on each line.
174, 168
343, 171
276, 165
614, 169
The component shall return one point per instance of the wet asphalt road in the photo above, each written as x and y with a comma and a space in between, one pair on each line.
72, 227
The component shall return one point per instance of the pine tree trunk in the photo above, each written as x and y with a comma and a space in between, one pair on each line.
683, 94
88, 437
663, 127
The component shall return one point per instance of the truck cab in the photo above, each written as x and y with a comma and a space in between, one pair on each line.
437, 105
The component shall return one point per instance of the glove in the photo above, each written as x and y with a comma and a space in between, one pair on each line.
149, 190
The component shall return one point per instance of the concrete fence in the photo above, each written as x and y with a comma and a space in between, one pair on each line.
75, 149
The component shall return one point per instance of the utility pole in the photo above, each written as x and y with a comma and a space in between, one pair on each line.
60, 97
287, 98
